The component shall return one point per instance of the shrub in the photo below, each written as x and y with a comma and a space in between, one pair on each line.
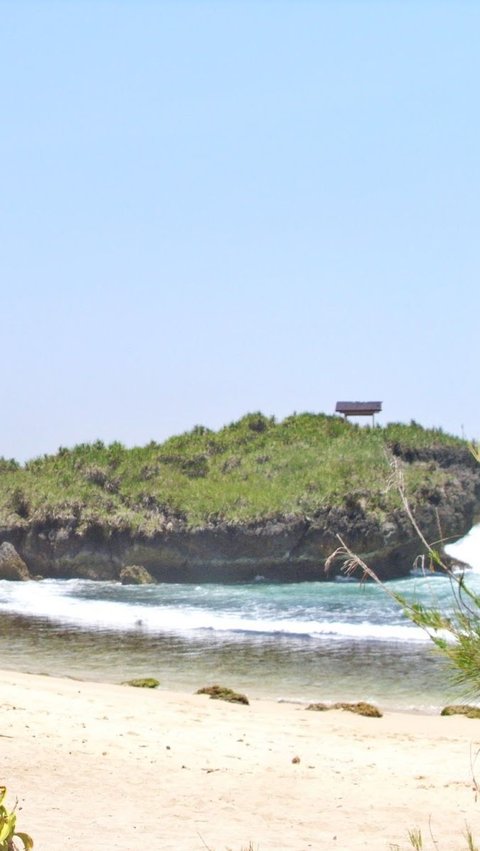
8, 819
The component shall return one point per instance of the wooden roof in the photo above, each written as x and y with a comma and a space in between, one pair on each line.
358, 408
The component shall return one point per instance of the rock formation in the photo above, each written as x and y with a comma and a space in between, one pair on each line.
288, 547
11, 565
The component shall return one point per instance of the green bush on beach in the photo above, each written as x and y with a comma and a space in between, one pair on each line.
8, 831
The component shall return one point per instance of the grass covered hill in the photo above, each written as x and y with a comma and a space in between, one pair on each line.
250, 471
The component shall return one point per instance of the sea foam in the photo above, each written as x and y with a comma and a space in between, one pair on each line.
467, 549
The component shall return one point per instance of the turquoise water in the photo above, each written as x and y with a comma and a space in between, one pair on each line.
300, 641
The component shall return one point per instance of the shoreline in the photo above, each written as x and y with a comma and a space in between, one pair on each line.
101, 766
395, 675
188, 683
254, 695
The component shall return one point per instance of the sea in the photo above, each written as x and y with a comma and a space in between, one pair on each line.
303, 642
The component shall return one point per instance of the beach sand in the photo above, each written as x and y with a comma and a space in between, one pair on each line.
97, 767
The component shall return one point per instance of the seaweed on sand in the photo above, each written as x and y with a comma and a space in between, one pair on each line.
217, 692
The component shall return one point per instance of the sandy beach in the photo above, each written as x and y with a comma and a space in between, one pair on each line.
97, 767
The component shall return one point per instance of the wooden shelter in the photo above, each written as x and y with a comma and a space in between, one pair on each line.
359, 409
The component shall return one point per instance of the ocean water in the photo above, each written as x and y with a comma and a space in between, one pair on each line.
322, 641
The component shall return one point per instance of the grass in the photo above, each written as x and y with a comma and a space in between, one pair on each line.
252, 470
416, 841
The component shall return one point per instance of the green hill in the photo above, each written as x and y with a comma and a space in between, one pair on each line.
249, 471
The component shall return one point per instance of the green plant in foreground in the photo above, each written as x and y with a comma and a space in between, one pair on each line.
8, 834
462, 625
456, 634
416, 841
415, 837
471, 844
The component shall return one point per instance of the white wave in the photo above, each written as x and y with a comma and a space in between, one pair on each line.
467, 549
374, 632
56, 601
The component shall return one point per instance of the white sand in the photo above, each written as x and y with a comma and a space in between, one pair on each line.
97, 767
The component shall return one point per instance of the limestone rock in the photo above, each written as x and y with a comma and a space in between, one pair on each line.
12, 567
135, 574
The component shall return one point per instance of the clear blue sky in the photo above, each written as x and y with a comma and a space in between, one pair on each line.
210, 208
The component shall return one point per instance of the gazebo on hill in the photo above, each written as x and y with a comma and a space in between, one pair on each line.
359, 409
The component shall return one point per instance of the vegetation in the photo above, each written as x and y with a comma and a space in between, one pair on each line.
217, 692
461, 709
361, 708
456, 634
145, 682
135, 574
250, 470
8, 832
415, 838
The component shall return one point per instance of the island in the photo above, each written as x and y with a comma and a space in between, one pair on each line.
257, 499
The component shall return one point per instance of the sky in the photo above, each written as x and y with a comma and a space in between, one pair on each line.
211, 208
